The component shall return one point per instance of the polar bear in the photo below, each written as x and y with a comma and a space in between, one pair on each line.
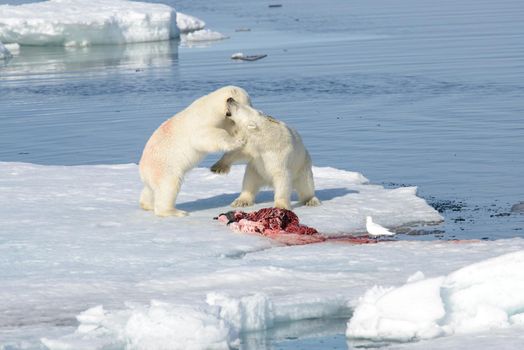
181, 142
276, 157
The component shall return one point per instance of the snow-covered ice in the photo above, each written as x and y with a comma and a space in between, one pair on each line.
187, 23
83, 267
156, 326
83, 23
501, 339
477, 298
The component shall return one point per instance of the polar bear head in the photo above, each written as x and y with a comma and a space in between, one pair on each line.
246, 117
225, 93
213, 110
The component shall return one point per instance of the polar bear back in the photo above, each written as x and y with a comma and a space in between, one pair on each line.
280, 147
271, 144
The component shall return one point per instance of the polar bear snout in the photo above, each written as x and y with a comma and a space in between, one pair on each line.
243, 115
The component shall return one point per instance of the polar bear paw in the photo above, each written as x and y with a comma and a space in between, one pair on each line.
241, 202
220, 168
313, 202
146, 205
172, 212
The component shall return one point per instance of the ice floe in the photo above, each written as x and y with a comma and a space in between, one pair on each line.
159, 325
83, 267
203, 35
187, 23
477, 298
84, 23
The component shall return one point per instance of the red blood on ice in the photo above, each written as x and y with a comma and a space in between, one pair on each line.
283, 226
296, 239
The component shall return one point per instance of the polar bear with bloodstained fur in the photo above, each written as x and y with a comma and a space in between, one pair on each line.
276, 157
183, 141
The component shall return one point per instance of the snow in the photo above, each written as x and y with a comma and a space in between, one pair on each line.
477, 298
204, 35
83, 23
156, 326
4, 52
500, 339
248, 313
187, 23
83, 267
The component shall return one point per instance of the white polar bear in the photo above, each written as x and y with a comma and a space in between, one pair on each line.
276, 157
181, 142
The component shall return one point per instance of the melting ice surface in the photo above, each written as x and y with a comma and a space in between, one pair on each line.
84, 268
82, 23
477, 298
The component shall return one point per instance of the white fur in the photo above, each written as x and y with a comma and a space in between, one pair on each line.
181, 142
276, 157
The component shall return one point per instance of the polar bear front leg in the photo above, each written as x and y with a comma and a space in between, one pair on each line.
250, 187
282, 184
217, 140
223, 165
165, 196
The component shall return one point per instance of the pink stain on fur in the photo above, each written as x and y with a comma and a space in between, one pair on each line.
283, 226
166, 126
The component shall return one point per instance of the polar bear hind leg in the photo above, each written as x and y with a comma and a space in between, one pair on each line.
250, 187
147, 198
165, 196
305, 187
